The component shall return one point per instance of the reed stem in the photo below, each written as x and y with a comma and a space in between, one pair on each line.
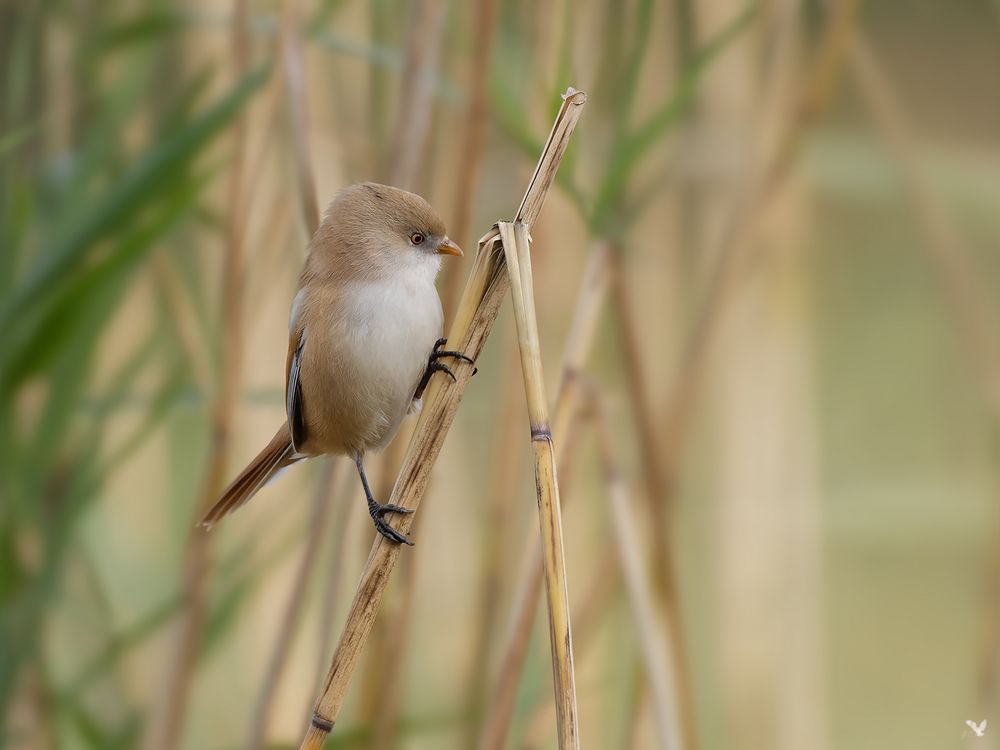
167, 721
658, 665
578, 344
488, 283
318, 515
518, 251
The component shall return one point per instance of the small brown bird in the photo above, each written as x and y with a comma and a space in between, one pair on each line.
363, 338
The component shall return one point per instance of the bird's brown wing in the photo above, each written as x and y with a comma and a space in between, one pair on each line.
293, 389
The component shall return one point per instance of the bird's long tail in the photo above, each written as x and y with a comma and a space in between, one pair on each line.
276, 456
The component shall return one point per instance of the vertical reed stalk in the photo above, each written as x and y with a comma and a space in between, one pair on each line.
518, 252
487, 284
578, 346
595, 603
167, 720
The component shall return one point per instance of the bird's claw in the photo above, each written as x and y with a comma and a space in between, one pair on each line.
438, 352
382, 526
435, 366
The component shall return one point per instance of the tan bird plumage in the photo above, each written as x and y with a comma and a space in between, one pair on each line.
363, 336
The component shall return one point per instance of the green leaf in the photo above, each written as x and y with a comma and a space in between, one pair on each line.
122, 203
629, 82
10, 141
86, 301
632, 149
145, 28
90, 730
122, 642
673, 109
509, 115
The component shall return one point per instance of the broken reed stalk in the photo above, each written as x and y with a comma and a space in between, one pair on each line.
968, 300
486, 287
577, 349
164, 728
517, 249
494, 730
651, 631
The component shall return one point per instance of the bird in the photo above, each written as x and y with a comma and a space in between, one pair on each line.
364, 339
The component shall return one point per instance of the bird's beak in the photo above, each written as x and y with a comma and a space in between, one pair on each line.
447, 247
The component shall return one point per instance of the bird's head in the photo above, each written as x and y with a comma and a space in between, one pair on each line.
377, 229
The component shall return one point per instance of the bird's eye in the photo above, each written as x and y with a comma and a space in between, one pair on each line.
417, 238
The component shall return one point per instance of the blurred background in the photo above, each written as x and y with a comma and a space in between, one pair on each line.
786, 212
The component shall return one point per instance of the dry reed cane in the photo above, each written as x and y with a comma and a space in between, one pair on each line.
294, 79
167, 721
474, 320
640, 589
493, 733
577, 349
472, 147
594, 604
413, 117
658, 491
518, 251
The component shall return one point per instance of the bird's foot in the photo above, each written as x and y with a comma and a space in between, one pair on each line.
378, 511
435, 365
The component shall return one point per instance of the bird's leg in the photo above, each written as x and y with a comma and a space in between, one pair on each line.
377, 510
435, 365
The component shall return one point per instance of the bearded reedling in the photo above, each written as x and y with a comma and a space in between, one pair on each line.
363, 338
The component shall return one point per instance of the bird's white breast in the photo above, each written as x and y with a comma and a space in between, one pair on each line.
392, 325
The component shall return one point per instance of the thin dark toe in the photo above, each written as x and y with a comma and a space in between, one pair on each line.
439, 353
394, 509
437, 366
390, 533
